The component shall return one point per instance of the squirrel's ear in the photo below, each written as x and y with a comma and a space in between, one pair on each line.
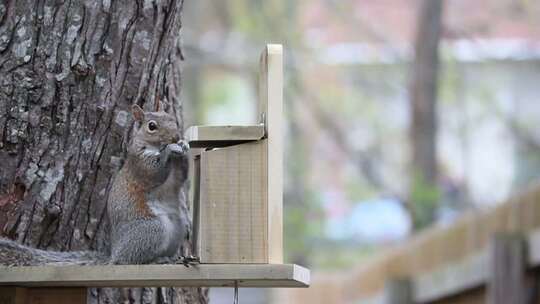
137, 112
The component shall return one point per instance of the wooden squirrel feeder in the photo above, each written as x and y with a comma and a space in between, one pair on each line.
238, 179
237, 215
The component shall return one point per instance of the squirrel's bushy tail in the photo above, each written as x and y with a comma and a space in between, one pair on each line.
14, 254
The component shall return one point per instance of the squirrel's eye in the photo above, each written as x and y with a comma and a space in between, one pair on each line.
152, 126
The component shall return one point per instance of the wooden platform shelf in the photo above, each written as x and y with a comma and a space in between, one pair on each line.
224, 275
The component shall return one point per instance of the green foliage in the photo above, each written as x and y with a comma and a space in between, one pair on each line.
358, 190
337, 255
227, 99
303, 215
257, 20
450, 82
528, 166
424, 200
302, 224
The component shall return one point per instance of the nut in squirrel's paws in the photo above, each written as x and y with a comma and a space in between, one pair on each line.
184, 144
182, 147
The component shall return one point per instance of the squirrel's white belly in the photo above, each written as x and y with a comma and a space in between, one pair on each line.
170, 220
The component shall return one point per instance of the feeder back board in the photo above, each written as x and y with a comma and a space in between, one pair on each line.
238, 179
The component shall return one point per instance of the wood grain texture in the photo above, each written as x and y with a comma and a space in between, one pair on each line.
263, 275
271, 112
232, 210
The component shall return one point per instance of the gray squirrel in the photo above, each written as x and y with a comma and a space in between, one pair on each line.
143, 204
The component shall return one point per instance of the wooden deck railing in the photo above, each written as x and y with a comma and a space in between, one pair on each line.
485, 256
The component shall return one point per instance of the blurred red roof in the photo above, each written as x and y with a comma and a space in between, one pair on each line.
394, 21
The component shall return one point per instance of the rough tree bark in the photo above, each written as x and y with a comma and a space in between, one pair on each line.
423, 98
69, 71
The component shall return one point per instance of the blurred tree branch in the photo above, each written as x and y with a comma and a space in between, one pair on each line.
363, 160
423, 196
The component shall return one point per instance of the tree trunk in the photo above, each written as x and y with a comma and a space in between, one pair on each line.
423, 97
69, 71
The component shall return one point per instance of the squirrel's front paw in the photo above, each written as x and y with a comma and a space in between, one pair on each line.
182, 147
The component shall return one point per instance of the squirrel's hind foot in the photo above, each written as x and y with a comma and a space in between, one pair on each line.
189, 260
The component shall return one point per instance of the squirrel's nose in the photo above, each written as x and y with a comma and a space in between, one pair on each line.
175, 138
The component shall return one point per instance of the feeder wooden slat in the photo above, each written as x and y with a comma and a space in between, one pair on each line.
222, 136
232, 214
